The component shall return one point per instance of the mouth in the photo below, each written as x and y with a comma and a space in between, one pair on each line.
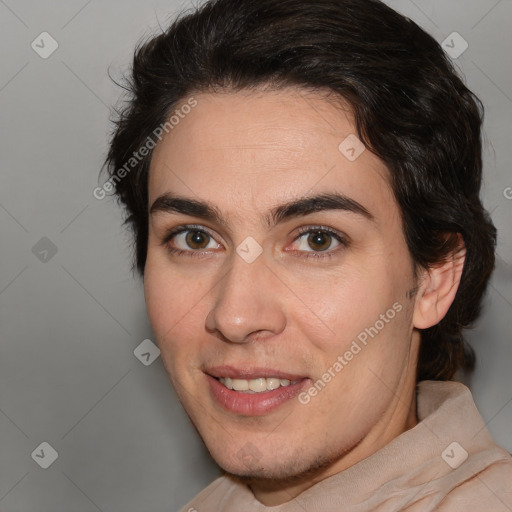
252, 391
257, 385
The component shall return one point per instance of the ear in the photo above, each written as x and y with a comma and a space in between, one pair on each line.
438, 287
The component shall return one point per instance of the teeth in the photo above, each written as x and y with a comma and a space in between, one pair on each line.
258, 385
240, 385
273, 383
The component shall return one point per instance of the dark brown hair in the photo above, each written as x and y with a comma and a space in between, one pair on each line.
411, 109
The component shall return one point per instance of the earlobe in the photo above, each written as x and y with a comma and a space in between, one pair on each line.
438, 288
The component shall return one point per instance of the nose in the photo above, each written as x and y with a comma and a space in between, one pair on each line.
246, 303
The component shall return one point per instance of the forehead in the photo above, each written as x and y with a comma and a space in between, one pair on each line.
235, 149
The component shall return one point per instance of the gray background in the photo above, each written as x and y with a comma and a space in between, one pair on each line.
70, 321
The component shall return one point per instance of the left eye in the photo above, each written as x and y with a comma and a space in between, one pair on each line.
194, 239
316, 241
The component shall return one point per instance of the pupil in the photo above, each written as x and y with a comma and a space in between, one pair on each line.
319, 241
196, 240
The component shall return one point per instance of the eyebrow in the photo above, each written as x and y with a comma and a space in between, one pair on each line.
168, 203
323, 202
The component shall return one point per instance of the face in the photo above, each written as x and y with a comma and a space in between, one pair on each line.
277, 265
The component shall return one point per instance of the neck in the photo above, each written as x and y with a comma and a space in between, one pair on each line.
400, 417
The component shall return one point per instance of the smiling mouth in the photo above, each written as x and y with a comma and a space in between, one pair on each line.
257, 385
252, 391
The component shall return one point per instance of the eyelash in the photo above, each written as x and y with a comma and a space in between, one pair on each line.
329, 253
343, 241
183, 229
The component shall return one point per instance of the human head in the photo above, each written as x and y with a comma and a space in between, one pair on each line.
410, 109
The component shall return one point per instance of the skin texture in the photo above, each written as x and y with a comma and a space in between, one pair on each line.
294, 308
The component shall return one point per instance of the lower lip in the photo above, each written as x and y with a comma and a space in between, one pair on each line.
253, 404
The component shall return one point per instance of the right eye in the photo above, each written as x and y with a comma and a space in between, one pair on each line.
190, 240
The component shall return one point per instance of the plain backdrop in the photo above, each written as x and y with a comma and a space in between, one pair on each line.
72, 314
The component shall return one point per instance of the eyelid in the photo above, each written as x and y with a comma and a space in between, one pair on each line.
317, 227
172, 232
340, 237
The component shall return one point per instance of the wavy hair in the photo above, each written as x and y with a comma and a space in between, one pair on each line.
411, 109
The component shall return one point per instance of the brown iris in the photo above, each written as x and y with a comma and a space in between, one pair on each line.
197, 239
319, 241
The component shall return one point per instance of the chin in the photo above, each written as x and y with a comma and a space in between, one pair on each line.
250, 464
270, 472
289, 472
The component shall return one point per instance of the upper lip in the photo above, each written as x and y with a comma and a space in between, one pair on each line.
250, 372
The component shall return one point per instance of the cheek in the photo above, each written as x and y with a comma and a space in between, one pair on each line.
344, 300
174, 318
171, 302
361, 303
159, 297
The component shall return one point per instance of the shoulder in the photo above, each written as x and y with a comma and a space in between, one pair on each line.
489, 490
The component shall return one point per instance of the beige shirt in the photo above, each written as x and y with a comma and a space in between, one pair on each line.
448, 462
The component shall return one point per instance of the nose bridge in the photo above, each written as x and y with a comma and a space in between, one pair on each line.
235, 287
244, 302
